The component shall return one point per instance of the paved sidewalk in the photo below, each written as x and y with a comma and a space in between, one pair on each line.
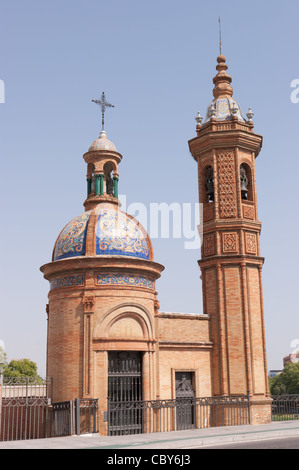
193, 438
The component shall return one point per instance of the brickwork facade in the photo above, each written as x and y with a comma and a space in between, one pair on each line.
103, 276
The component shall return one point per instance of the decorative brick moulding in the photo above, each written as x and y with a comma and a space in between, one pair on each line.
227, 191
230, 242
209, 245
250, 243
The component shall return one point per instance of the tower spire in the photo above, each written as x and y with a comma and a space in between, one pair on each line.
220, 41
103, 103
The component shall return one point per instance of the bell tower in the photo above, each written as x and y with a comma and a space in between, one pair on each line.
225, 150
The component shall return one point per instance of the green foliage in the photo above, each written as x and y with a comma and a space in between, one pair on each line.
20, 368
287, 382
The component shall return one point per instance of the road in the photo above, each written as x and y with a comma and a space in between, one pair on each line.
278, 443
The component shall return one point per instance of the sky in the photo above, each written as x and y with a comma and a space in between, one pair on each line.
155, 61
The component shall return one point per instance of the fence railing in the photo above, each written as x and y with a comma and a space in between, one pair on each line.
78, 416
24, 408
285, 407
86, 415
26, 411
138, 417
63, 419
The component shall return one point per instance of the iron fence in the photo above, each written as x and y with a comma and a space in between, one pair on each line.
27, 411
63, 419
285, 407
78, 416
86, 415
136, 417
24, 408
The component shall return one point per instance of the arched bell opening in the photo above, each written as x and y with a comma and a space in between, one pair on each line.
246, 182
110, 179
91, 180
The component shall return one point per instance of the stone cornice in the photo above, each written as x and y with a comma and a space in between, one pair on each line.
185, 344
232, 224
225, 135
230, 259
184, 316
103, 263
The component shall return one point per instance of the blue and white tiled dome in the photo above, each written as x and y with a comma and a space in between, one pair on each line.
119, 234
115, 233
223, 109
72, 239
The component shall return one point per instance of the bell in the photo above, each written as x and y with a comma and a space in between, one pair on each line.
210, 191
244, 182
210, 184
243, 191
243, 185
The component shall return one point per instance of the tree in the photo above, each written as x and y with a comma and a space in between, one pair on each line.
20, 368
287, 382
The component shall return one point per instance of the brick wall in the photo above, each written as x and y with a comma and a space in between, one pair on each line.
184, 345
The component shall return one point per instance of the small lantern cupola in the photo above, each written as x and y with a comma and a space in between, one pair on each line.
102, 161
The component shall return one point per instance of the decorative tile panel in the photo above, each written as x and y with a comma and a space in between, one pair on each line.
124, 280
69, 281
221, 109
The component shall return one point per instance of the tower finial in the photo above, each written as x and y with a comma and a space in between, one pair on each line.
103, 103
220, 40
222, 80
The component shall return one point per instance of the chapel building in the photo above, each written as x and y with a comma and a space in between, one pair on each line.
106, 336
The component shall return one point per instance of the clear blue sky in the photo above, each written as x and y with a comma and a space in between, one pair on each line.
155, 61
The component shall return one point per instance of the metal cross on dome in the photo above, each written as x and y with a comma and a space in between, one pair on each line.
103, 103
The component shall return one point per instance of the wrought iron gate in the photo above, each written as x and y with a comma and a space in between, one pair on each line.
79, 416
185, 410
124, 385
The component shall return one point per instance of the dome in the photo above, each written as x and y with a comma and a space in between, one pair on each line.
223, 109
102, 143
72, 239
115, 233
